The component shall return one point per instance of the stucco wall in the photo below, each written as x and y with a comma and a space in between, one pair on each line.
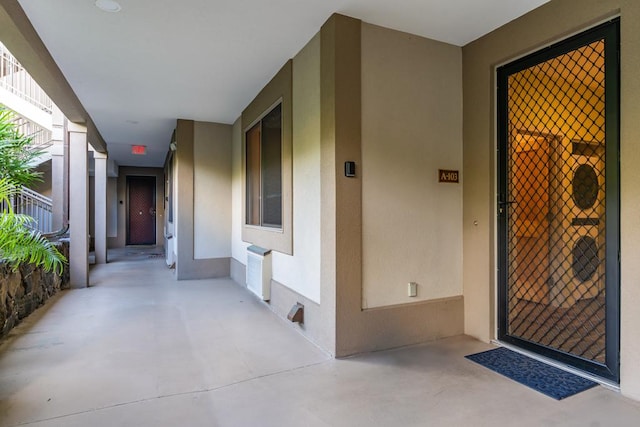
411, 127
357, 329
545, 25
212, 191
112, 207
44, 187
238, 247
328, 233
202, 181
299, 272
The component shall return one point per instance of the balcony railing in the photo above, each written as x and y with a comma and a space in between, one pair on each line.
37, 206
15, 79
40, 137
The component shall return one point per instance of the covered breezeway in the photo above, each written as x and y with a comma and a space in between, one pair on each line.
138, 348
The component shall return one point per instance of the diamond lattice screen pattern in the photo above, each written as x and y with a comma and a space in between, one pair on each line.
556, 226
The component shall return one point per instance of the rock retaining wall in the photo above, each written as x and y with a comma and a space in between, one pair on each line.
27, 288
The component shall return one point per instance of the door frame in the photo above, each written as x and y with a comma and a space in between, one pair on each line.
610, 32
127, 213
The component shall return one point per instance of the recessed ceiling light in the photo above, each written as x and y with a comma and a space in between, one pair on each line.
108, 5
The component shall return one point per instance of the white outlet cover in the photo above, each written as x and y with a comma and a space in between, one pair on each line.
412, 289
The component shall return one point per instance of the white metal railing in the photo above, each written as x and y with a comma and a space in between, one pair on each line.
15, 79
40, 137
35, 205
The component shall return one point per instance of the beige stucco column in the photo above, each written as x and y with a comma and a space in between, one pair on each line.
100, 207
78, 206
58, 188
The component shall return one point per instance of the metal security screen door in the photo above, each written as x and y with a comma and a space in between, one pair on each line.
558, 202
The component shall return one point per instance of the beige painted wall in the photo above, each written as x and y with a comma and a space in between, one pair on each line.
238, 247
356, 330
212, 190
182, 188
301, 271
44, 187
112, 207
549, 23
328, 232
191, 215
411, 127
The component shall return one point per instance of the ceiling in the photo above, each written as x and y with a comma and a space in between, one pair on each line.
138, 70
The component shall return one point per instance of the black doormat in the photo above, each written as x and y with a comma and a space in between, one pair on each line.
546, 379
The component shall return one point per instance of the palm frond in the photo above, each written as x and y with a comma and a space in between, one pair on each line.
19, 243
17, 154
7, 190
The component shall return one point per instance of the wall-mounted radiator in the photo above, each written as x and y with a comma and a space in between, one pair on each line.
259, 271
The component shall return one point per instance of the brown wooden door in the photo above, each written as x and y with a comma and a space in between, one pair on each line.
141, 198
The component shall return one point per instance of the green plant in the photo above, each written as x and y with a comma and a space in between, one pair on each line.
19, 242
16, 153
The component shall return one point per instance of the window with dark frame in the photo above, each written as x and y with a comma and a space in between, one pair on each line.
264, 171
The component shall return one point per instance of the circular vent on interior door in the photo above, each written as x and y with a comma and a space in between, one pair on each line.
585, 186
585, 258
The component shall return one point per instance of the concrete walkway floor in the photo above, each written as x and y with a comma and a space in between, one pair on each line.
140, 349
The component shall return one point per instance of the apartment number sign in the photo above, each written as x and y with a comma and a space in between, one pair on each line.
445, 175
